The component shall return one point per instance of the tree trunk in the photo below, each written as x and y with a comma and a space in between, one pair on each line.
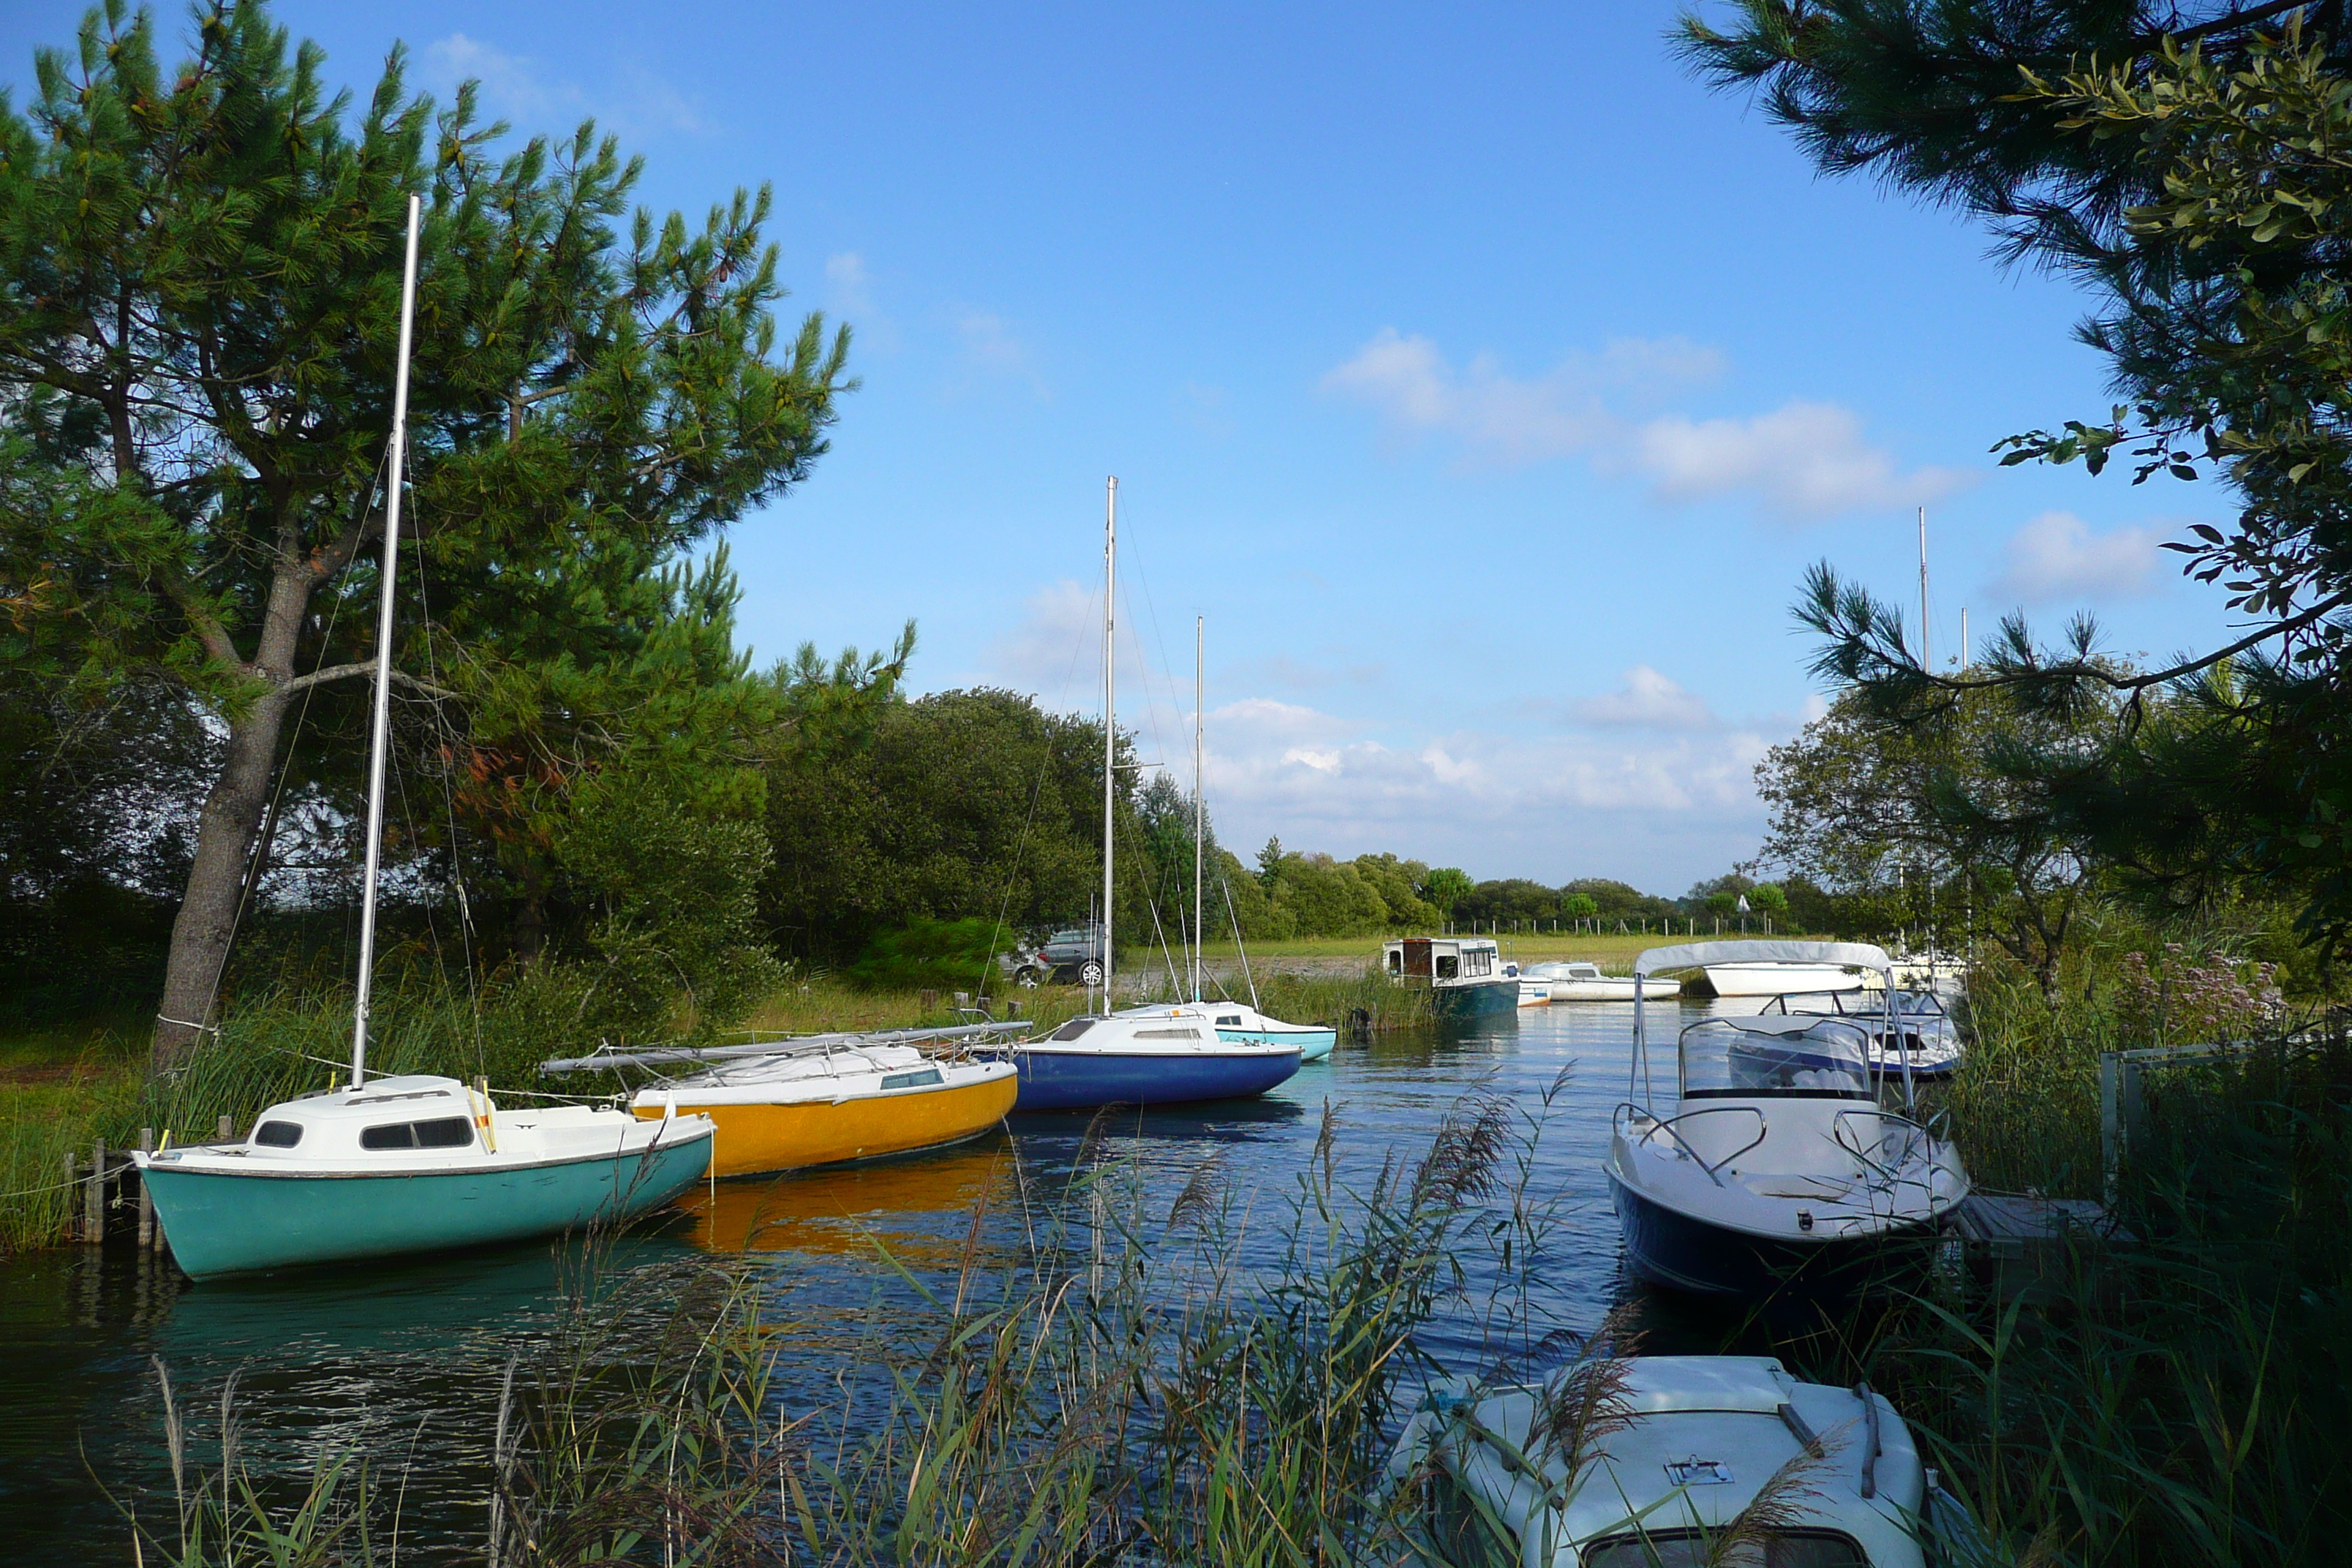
208, 913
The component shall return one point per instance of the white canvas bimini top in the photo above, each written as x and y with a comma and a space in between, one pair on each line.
1699, 954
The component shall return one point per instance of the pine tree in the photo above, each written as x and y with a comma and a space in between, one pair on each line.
199, 277
2189, 164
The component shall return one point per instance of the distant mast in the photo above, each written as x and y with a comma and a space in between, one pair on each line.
1110, 727
1926, 659
380, 722
1200, 702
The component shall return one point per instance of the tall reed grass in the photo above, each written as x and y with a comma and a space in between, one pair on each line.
1097, 1379
2177, 1400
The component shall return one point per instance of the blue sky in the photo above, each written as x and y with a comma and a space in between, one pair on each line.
1484, 381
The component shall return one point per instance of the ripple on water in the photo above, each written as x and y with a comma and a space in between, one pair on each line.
401, 1361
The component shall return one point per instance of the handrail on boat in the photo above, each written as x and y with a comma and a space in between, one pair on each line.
1666, 1125
804, 1045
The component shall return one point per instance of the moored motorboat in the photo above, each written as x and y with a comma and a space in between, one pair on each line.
1577, 980
411, 1163
1464, 975
1772, 1163
1924, 1038
1669, 1462
827, 1104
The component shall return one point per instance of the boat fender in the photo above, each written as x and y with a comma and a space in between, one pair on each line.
1804, 1219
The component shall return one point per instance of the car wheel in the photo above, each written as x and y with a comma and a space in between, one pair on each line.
1090, 973
1027, 979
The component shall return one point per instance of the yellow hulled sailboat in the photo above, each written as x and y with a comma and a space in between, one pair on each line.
829, 1103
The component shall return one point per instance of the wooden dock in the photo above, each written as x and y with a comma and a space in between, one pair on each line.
2022, 1245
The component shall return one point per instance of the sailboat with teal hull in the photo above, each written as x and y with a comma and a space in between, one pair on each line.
407, 1164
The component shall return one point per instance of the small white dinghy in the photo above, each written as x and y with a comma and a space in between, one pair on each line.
1669, 1462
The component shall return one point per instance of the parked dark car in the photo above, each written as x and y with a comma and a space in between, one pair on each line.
1071, 957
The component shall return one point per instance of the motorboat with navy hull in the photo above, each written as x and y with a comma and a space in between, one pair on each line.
1464, 975
1926, 1037
1773, 1168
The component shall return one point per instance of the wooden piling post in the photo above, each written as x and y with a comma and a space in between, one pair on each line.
228, 1129
73, 1174
146, 1204
93, 1201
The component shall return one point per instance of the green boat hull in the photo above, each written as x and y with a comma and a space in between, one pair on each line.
220, 1223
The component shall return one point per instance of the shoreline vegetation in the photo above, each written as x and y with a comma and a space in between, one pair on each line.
1114, 1388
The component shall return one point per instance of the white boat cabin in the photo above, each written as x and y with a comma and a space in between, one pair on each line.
1443, 961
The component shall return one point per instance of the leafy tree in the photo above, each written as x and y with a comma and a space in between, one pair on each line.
1269, 861
1579, 905
2189, 164
1330, 898
1444, 888
1618, 900
957, 806
1399, 884
199, 280
1768, 898
1511, 898
1890, 813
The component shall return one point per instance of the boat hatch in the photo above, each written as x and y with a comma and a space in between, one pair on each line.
1232, 1021
278, 1134
1693, 1549
1697, 1472
1072, 1030
922, 1079
442, 1132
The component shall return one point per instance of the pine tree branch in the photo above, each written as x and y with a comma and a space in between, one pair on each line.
348, 672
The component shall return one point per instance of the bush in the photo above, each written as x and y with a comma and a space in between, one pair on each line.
943, 954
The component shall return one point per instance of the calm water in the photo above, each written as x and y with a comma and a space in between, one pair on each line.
402, 1362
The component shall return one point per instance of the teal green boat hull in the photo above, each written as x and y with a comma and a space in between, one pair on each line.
221, 1223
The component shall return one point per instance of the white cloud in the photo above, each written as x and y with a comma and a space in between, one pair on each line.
1505, 418
853, 293
1545, 805
1801, 460
517, 90
1054, 647
1647, 701
2056, 556
992, 350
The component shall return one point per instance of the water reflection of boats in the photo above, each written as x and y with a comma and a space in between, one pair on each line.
847, 1208
422, 1301
1233, 1120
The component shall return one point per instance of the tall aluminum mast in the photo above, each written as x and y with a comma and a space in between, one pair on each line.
1110, 727
381, 722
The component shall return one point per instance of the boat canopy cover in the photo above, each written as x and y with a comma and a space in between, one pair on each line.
1698, 954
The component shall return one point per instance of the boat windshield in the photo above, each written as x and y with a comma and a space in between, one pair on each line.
1691, 1549
1744, 1058
1072, 1030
